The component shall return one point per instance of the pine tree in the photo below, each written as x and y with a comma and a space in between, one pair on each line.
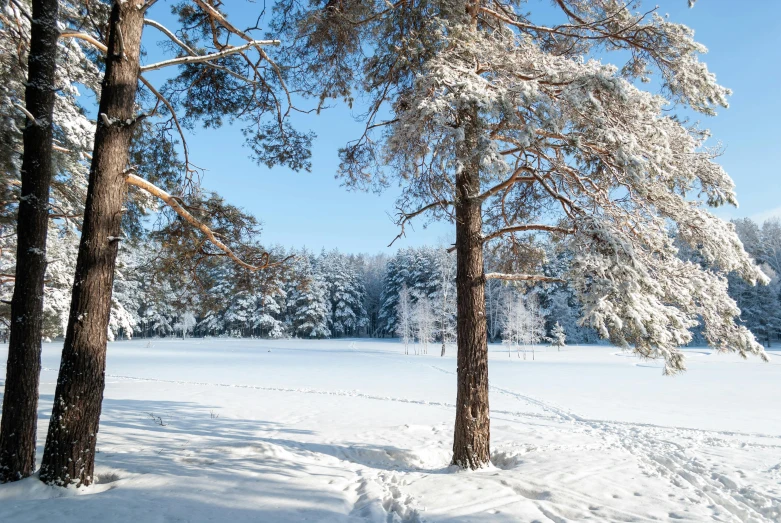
196, 97
558, 338
20, 400
495, 121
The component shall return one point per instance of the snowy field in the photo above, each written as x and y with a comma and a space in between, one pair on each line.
353, 430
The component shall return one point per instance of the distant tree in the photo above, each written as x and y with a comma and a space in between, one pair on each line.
515, 321
423, 322
186, 323
404, 325
374, 271
445, 298
558, 338
308, 302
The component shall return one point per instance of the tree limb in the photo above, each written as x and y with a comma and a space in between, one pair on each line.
208, 57
171, 201
529, 227
515, 178
522, 277
404, 217
87, 38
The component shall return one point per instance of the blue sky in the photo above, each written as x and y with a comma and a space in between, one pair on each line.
313, 210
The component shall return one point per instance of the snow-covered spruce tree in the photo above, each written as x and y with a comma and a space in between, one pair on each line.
308, 303
510, 128
397, 275
558, 338
215, 80
760, 308
345, 292
415, 268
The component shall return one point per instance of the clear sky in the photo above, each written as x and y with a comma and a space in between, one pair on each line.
313, 210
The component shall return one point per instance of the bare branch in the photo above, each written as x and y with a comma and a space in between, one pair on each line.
522, 277
87, 38
404, 217
208, 57
525, 228
173, 116
163, 29
27, 113
512, 180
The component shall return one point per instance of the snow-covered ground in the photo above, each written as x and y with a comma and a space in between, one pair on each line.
354, 430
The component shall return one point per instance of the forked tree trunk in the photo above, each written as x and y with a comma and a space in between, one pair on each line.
20, 401
69, 455
473, 425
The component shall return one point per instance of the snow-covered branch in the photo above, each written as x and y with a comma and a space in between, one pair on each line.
526, 228
522, 277
208, 57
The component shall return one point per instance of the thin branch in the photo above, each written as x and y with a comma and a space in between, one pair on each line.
173, 117
525, 228
522, 277
512, 180
404, 217
209, 57
163, 29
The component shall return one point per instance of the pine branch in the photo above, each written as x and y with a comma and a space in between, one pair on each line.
528, 227
172, 202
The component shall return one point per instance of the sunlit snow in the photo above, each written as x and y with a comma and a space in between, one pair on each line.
352, 430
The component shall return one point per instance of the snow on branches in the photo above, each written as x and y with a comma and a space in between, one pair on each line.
568, 147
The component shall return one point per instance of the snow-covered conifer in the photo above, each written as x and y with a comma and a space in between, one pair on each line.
558, 338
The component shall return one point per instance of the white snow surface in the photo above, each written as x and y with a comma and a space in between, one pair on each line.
353, 430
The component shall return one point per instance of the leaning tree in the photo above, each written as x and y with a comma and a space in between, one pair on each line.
222, 72
511, 129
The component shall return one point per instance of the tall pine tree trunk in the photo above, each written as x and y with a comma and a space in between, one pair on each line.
20, 401
69, 455
473, 425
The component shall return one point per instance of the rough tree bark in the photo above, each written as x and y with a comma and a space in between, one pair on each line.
69, 455
473, 426
20, 402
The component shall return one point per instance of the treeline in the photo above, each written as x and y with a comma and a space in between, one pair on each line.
333, 294
760, 306
326, 295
